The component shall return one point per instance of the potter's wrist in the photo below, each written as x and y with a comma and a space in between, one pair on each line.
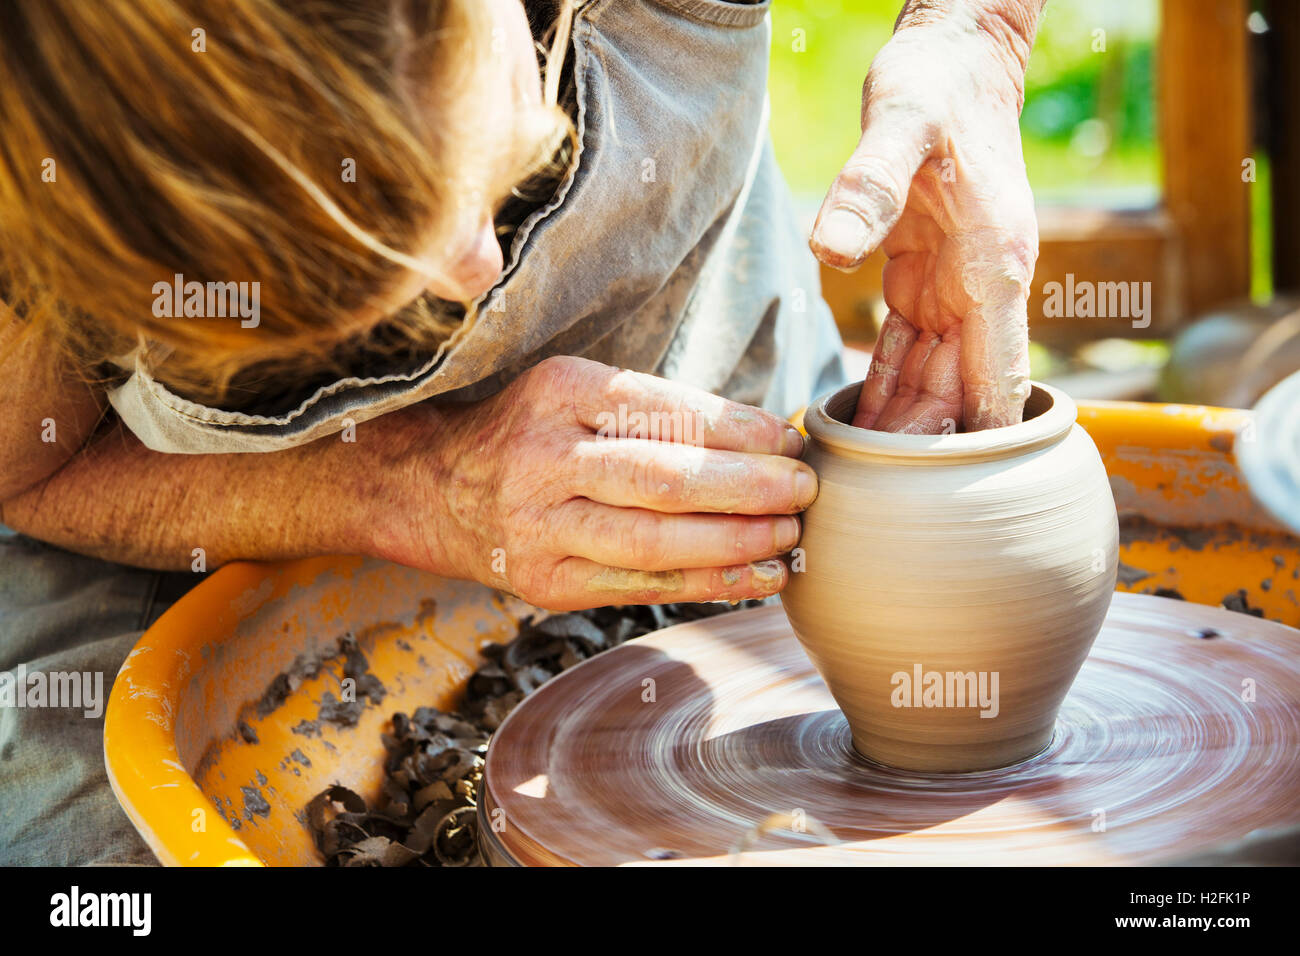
406, 515
1006, 27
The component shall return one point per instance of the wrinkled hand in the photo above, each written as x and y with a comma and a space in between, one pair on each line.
938, 181
581, 485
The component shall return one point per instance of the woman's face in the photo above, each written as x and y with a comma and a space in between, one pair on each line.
471, 261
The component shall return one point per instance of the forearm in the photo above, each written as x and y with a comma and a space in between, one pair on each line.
119, 501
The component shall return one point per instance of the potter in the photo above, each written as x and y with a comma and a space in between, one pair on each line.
979, 553
458, 276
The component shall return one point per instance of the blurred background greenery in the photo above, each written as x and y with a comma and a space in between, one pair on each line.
1088, 126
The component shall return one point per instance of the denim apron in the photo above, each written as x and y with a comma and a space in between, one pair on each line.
671, 247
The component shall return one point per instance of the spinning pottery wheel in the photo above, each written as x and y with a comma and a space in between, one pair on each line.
717, 742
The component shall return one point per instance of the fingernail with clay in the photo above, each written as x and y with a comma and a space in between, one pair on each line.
805, 487
844, 233
767, 576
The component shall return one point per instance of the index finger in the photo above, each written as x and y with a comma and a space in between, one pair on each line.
626, 404
897, 336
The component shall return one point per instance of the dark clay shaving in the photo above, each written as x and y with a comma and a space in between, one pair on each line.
1236, 601
308, 665
254, 803
365, 688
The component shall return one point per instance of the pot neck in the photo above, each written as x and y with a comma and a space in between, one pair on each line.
1050, 416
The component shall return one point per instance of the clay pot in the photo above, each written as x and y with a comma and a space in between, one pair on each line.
948, 587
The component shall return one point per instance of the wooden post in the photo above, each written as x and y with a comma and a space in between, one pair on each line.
1204, 90
1282, 133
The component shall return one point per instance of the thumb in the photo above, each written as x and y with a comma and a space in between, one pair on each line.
867, 198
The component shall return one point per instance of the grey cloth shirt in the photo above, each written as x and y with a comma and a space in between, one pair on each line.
672, 247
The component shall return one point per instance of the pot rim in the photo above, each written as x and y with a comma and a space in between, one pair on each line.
1049, 425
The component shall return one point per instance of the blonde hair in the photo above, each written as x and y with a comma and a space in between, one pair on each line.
226, 164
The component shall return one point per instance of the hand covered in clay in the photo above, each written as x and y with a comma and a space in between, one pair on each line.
938, 181
580, 485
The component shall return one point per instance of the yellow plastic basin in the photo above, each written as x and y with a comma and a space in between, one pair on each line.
172, 739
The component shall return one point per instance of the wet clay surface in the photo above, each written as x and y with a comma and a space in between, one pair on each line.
959, 553
1181, 736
